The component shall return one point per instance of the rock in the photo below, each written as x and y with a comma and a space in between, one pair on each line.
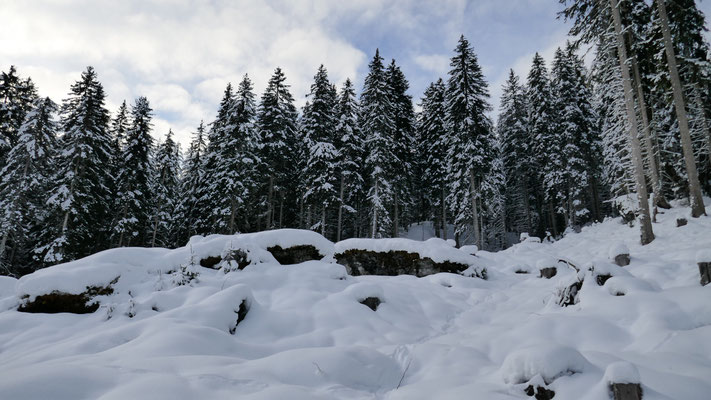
622, 260
59, 302
626, 391
241, 313
238, 256
705, 272
540, 392
681, 222
210, 262
602, 278
295, 254
548, 272
521, 271
394, 262
371, 302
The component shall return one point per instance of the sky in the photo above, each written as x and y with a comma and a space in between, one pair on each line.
181, 54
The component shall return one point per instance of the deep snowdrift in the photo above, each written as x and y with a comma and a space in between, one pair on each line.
165, 333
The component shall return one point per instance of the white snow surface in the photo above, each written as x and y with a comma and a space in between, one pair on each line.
306, 336
616, 249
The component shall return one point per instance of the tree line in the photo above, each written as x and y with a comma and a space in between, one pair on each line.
571, 146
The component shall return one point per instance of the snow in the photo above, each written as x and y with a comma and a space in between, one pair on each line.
616, 249
621, 372
703, 256
306, 336
438, 250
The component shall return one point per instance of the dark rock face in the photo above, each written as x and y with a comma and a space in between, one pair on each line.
210, 262
391, 263
59, 302
540, 392
681, 222
295, 254
241, 313
371, 302
705, 272
601, 279
626, 391
548, 272
622, 260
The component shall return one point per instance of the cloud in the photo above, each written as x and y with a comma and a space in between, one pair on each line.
436, 63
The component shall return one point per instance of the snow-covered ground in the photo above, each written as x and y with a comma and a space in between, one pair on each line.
306, 336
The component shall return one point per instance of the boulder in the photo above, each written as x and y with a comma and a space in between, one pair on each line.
705, 272
295, 254
681, 222
59, 302
371, 302
394, 262
620, 254
548, 272
539, 392
210, 261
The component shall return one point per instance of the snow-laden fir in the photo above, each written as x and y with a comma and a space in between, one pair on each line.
169, 328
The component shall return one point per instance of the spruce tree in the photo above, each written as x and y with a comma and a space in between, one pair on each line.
190, 213
134, 200
79, 205
17, 97
469, 134
318, 125
546, 144
404, 142
378, 124
432, 150
24, 182
349, 141
165, 185
277, 118
517, 157
493, 201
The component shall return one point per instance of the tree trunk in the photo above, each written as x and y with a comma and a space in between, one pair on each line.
233, 214
340, 212
444, 215
475, 212
659, 199
375, 213
396, 220
704, 124
270, 206
645, 222
323, 221
695, 199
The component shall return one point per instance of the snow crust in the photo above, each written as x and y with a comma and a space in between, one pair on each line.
166, 333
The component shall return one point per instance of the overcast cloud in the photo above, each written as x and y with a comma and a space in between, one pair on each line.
181, 53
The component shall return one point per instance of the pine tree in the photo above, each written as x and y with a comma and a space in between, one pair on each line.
493, 201
79, 204
432, 150
277, 118
190, 213
404, 142
350, 145
469, 133
318, 125
517, 157
378, 124
134, 200
23, 184
165, 185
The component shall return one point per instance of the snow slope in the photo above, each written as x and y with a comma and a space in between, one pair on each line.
306, 336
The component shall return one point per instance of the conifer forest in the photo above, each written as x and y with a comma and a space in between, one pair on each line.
616, 123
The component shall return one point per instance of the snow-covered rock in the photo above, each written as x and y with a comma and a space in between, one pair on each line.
548, 361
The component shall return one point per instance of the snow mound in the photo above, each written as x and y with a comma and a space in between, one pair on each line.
621, 372
548, 361
703, 256
616, 249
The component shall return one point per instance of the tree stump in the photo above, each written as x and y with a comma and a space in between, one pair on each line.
705, 272
622, 260
626, 391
